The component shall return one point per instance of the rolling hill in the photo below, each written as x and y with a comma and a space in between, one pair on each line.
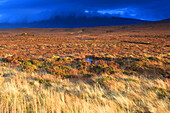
73, 22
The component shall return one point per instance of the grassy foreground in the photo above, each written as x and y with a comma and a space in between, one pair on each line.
22, 92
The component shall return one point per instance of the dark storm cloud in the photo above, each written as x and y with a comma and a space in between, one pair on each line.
35, 10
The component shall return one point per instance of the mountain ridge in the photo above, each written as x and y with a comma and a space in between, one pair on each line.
74, 22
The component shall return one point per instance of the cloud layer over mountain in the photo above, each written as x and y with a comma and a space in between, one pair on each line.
36, 10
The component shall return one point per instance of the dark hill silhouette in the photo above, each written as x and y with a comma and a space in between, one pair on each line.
74, 22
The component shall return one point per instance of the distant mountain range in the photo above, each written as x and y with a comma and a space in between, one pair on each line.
74, 22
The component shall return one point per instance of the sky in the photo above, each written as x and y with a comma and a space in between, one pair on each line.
16, 11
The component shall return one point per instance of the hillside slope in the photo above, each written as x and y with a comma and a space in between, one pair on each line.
73, 22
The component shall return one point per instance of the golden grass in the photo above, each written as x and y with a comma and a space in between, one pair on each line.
23, 93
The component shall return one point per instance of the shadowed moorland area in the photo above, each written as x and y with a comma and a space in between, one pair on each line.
96, 69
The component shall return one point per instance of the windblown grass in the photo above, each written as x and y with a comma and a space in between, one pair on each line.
25, 93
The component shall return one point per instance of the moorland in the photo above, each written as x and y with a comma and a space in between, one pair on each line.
95, 69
